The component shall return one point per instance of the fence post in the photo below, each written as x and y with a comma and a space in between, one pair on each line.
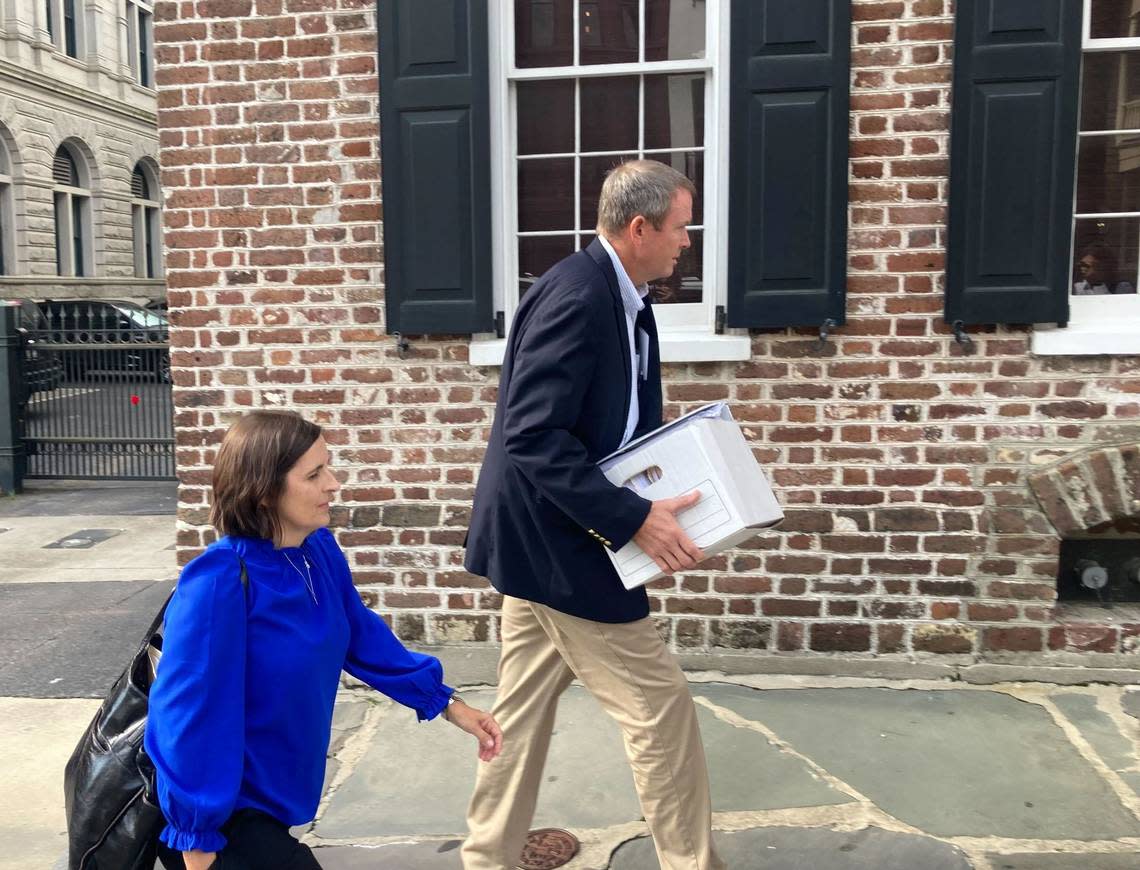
13, 461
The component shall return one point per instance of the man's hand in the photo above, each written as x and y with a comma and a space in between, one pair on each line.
663, 539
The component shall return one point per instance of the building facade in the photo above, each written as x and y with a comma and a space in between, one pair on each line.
936, 367
79, 179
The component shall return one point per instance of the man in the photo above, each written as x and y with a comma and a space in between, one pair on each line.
582, 377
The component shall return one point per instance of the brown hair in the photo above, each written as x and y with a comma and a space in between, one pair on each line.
249, 472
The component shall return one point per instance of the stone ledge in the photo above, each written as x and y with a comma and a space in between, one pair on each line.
477, 665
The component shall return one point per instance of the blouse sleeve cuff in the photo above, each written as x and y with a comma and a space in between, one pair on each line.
435, 703
190, 841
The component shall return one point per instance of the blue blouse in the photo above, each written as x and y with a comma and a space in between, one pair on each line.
241, 709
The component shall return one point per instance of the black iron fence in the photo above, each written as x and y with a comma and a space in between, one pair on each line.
94, 394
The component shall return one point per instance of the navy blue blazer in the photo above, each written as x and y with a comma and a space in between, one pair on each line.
542, 508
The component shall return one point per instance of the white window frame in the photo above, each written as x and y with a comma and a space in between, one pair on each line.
140, 33
145, 225
1098, 325
59, 37
687, 331
7, 215
65, 199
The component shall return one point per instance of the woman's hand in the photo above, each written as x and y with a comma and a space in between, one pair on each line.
198, 860
477, 723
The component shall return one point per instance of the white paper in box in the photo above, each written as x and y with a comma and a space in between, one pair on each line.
704, 450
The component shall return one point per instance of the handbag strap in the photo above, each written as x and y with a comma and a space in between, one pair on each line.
156, 624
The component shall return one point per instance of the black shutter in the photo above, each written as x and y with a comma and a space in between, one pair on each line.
788, 131
435, 152
1012, 159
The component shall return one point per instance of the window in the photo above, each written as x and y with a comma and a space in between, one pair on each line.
64, 24
70, 29
140, 41
7, 229
73, 255
579, 87
507, 123
145, 222
1104, 305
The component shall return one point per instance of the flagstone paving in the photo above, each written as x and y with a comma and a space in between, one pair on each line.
841, 774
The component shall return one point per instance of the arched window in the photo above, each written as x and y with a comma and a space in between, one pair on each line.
73, 252
7, 214
144, 219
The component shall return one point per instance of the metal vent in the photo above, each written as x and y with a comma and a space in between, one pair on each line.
139, 188
64, 170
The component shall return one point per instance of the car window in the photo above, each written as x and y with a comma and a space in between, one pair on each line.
140, 317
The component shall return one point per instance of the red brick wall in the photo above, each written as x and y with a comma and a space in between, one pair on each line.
903, 462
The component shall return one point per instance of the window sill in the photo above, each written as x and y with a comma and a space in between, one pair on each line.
1091, 338
676, 347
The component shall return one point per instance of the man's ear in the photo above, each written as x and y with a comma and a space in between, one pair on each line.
637, 227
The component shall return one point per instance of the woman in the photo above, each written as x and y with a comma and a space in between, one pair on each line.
241, 708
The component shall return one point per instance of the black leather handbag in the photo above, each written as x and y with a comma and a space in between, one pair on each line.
113, 817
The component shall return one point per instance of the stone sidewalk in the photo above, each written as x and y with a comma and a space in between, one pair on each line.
807, 774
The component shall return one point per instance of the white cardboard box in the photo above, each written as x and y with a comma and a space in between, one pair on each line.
703, 450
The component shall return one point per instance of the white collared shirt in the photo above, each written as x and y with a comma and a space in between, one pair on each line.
633, 301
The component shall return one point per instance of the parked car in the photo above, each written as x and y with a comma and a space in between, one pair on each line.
43, 369
158, 306
114, 325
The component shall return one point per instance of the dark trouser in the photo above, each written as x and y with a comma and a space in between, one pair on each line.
254, 841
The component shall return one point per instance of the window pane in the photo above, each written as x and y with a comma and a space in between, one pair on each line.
537, 254
144, 49
546, 195
692, 164
1105, 255
1108, 174
77, 258
1112, 19
593, 172
61, 211
674, 29
608, 31
674, 111
544, 33
546, 117
1110, 91
609, 113
686, 282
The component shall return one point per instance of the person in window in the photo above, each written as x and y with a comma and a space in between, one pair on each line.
241, 707
1098, 275
581, 377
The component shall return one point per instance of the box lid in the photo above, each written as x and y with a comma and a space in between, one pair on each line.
714, 411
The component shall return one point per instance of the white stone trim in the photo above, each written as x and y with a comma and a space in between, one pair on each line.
676, 347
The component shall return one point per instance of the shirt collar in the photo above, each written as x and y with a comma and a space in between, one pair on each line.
632, 296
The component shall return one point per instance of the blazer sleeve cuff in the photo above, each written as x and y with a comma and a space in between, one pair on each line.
619, 530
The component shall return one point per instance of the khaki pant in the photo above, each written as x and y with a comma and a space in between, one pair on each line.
627, 668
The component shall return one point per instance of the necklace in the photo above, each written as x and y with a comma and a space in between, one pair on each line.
307, 576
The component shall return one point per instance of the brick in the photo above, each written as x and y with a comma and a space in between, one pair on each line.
944, 639
840, 637
1013, 639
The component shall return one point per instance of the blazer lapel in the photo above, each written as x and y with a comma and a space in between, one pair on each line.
649, 390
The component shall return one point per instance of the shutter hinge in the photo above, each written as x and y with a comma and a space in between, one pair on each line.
402, 345
824, 330
718, 323
962, 337
500, 324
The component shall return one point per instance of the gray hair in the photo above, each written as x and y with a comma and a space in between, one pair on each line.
639, 187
